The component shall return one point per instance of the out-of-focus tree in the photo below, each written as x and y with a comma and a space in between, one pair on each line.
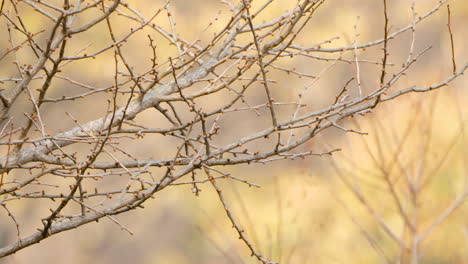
408, 185
192, 90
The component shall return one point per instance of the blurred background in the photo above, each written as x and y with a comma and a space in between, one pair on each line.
314, 210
